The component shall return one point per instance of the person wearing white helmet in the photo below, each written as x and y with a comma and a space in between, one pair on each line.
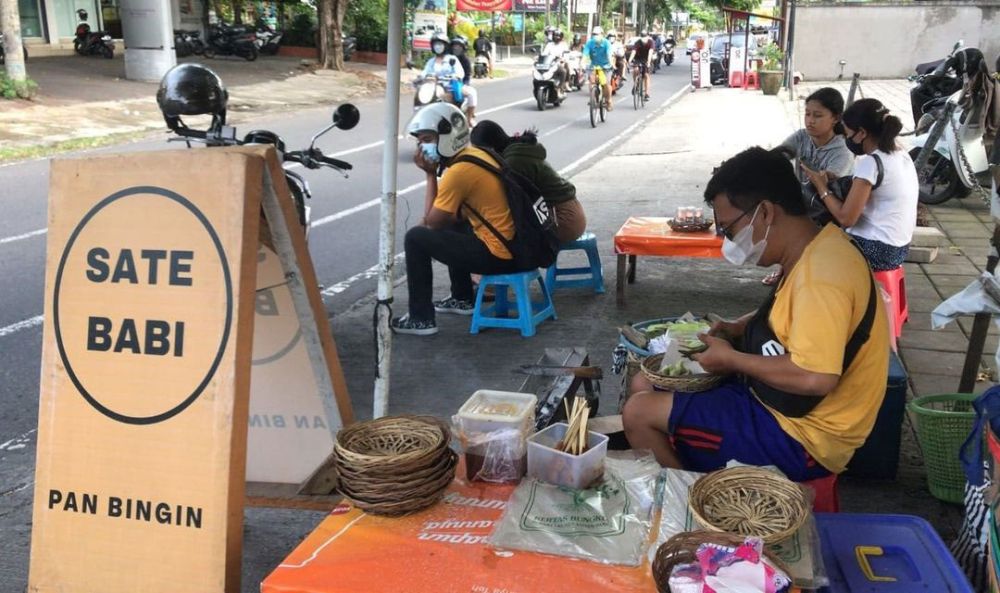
597, 53
617, 53
464, 193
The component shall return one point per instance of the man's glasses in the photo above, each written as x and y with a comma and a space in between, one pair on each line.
725, 230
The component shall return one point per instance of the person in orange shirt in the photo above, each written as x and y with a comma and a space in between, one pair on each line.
442, 133
807, 369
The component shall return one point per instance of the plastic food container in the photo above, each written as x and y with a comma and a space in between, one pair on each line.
556, 467
493, 427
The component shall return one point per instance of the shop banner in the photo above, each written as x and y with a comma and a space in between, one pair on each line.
145, 372
484, 5
535, 5
586, 6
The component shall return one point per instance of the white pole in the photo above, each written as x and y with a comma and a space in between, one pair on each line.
387, 219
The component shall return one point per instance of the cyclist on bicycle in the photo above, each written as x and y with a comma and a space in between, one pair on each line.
617, 54
597, 53
641, 58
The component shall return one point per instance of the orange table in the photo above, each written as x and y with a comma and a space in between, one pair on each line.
439, 550
652, 236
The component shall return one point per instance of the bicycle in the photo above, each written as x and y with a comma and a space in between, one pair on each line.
597, 100
639, 85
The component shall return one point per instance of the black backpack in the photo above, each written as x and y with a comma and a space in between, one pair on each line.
839, 188
535, 244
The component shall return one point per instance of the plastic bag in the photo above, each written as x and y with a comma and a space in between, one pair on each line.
973, 299
499, 456
609, 523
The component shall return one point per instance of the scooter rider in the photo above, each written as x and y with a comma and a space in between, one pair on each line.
597, 52
617, 54
557, 47
444, 66
459, 46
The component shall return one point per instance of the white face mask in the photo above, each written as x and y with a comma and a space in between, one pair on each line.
741, 250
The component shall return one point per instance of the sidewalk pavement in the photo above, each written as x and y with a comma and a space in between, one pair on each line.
86, 98
649, 173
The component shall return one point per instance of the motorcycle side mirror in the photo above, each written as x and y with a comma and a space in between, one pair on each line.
346, 116
534, 50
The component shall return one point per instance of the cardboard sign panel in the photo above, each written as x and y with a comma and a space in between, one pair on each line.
290, 431
150, 277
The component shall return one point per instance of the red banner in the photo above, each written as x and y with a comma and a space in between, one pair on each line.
484, 5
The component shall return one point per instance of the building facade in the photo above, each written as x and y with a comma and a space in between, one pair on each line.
53, 22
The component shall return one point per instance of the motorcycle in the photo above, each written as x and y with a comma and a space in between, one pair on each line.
939, 79
431, 89
92, 43
547, 79
959, 161
231, 40
481, 67
345, 117
577, 73
187, 43
24, 48
268, 39
667, 51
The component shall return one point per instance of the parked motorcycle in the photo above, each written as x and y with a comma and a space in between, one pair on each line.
188, 43
345, 117
481, 67
24, 48
231, 40
547, 79
92, 43
268, 39
959, 161
940, 79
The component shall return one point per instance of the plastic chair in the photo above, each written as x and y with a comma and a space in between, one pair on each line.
894, 283
591, 276
736, 79
751, 83
529, 313
826, 500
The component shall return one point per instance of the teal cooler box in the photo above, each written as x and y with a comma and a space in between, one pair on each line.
886, 554
879, 457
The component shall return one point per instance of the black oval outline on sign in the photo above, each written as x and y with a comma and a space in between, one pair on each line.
144, 189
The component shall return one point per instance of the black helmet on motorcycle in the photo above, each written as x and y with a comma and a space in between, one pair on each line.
81, 14
558, 35
265, 137
192, 89
460, 41
439, 44
577, 39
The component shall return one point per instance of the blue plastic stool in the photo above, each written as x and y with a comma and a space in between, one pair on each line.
592, 275
529, 314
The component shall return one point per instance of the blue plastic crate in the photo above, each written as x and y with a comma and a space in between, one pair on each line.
886, 554
878, 457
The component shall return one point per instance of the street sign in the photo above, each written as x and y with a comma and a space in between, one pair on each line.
586, 6
483, 5
517, 20
536, 6
431, 18
701, 68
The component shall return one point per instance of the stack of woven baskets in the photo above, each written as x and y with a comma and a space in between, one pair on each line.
395, 465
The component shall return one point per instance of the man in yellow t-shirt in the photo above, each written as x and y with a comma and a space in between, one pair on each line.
810, 368
467, 196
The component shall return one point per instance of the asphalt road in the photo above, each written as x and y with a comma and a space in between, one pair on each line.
344, 246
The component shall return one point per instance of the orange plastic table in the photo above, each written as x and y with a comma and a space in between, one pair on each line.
441, 549
652, 236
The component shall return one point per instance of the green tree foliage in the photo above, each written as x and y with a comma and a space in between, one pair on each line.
368, 20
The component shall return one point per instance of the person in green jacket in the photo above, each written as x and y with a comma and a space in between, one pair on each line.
526, 155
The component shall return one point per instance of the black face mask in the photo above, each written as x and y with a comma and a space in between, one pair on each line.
854, 146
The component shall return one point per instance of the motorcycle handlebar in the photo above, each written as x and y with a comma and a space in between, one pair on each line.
316, 159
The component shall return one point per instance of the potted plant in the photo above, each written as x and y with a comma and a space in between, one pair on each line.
771, 72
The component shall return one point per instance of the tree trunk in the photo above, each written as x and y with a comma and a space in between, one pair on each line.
238, 12
10, 25
331, 41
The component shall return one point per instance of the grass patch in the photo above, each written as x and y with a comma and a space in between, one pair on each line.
21, 153
498, 73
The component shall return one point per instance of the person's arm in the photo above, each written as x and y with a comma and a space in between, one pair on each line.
777, 371
429, 67
438, 219
848, 212
457, 70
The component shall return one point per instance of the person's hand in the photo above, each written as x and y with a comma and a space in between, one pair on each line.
727, 330
424, 164
718, 359
819, 179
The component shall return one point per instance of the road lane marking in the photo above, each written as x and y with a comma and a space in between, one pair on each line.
25, 324
23, 236
368, 274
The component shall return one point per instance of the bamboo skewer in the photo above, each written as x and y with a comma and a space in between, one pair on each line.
574, 441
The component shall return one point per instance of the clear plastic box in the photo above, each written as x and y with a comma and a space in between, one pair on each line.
493, 427
547, 464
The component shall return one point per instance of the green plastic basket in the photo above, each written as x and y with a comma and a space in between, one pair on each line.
943, 423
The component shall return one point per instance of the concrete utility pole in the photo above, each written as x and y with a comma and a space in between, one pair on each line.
10, 26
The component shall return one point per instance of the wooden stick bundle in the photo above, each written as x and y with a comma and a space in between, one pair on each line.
575, 440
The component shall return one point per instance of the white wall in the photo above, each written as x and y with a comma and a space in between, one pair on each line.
887, 39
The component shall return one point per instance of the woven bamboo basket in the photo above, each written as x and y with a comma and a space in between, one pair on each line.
687, 383
749, 501
681, 549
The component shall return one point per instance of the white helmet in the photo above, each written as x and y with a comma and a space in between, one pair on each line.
598, 30
612, 34
445, 120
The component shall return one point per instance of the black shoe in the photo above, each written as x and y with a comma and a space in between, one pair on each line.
405, 325
454, 306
